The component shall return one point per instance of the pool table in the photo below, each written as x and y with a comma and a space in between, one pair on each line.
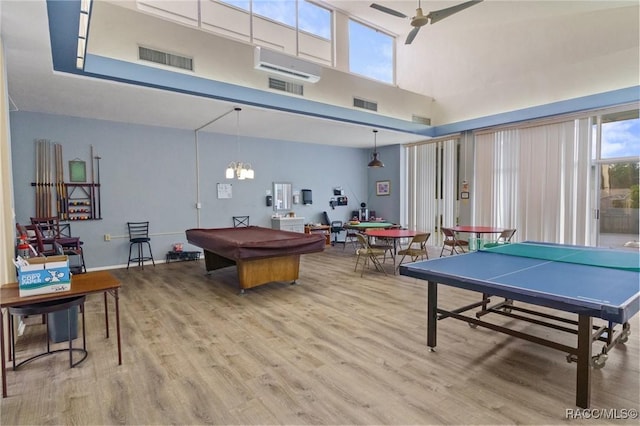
262, 255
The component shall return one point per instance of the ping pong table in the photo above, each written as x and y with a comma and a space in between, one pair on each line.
587, 281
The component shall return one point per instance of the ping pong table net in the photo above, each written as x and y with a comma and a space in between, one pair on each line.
590, 256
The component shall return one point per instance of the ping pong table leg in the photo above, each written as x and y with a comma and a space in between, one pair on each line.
583, 377
432, 314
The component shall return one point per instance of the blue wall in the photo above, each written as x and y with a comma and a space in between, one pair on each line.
149, 173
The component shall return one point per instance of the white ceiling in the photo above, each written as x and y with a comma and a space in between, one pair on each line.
33, 86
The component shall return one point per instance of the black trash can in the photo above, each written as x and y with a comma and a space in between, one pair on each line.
59, 325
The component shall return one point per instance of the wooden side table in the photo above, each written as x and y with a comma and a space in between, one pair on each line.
324, 229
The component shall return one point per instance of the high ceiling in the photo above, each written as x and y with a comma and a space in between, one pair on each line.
34, 87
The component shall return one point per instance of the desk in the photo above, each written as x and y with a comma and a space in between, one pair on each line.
81, 285
477, 230
262, 255
319, 229
366, 225
590, 282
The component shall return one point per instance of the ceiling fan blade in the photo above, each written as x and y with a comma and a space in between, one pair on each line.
412, 35
389, 11
439, 15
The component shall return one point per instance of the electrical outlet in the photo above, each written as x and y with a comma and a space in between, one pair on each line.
107, 237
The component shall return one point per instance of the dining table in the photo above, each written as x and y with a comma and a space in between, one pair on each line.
392, 234
477, 230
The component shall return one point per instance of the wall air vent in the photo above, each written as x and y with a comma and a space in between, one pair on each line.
421, 120
287, 66
361, 103
285, 86
164, 58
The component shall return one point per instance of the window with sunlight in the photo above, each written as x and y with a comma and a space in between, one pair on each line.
240, 4
314, 19
370, 52
282, 11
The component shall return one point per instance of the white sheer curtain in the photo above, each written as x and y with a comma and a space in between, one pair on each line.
431, 187
536, 180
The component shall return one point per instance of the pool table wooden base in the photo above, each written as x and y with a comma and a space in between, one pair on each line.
255, 272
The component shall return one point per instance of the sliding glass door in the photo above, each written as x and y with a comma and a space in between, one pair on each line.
617, 161
571, 180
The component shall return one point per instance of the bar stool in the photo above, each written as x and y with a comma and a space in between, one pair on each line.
47, 308
139, 235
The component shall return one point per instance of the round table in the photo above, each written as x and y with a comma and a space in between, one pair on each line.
478, 230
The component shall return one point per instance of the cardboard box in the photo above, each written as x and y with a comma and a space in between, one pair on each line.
44, 275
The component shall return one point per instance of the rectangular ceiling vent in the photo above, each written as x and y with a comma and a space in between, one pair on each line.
164, 58
287, 66
361, 103
421, 120
286, 86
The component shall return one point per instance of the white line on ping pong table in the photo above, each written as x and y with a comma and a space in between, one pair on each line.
542, 261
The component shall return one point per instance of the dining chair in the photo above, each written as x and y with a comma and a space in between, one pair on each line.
351, 237
417, 248
369, 255
49, 232
384, 244
240, 221
506, 235
43, 246
452, 242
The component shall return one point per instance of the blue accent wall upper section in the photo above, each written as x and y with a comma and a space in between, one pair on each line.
600, 100
63, 27
164, 79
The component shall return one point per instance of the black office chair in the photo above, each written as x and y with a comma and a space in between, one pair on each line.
139, 235
336, 227
240, 221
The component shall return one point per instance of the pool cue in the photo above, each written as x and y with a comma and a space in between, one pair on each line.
59, 180
98, 201
93, 188
37, 164
56, 172
47, 146
43, 172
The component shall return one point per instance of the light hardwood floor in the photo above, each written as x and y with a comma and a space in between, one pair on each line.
333, 349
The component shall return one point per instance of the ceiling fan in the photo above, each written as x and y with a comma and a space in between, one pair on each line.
421, 20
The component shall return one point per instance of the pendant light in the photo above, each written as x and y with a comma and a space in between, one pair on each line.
375, 162
236, 168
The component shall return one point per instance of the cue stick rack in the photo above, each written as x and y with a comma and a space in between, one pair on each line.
69, 201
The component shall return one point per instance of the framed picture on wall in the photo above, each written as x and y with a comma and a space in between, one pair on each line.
77, 171
383, 187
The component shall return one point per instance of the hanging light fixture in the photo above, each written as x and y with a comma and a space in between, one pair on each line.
236, 168
375, 162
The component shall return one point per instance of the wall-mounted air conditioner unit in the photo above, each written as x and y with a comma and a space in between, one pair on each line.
285, 65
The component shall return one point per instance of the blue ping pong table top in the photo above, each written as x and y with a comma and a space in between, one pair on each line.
603, 292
